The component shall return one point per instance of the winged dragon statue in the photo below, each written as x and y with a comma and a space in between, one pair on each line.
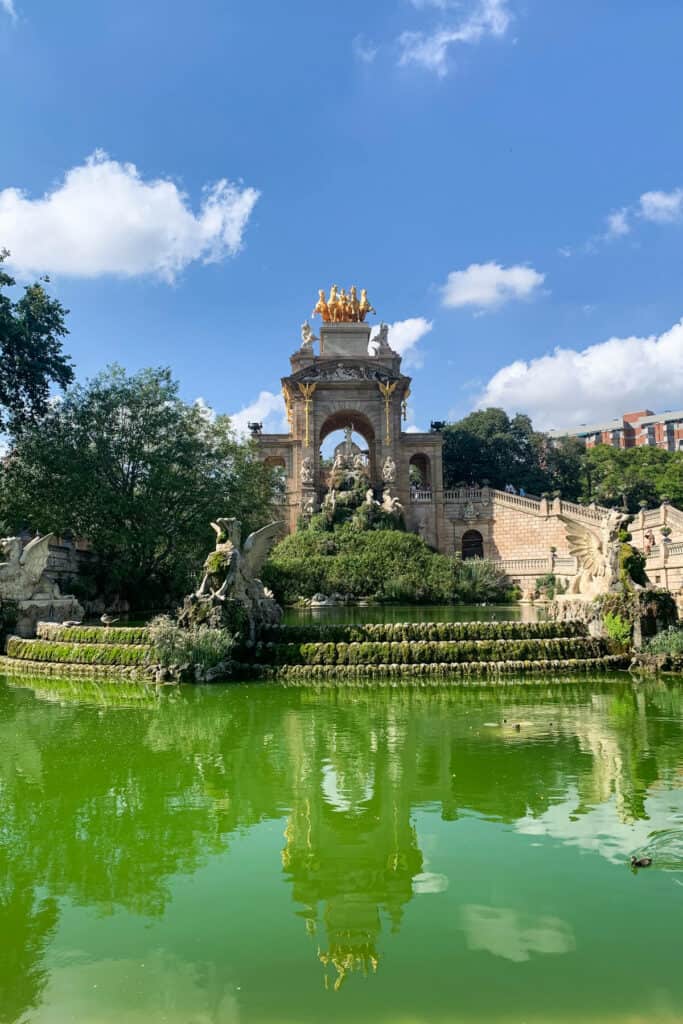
596, 549
231, 595
24, 581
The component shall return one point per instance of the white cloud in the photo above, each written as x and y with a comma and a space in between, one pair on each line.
430, 50
618, 223
571, 387
268, 409
206, 410
9, 8
489, 285
105, 219
404, 336
364, 51
662, 207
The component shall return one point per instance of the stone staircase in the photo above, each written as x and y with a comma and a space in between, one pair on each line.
451, 652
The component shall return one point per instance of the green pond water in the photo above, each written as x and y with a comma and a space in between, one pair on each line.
416, 613
253, 854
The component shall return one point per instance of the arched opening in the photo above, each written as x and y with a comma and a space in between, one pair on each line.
346, 432
279, 469
472, 544
420, 473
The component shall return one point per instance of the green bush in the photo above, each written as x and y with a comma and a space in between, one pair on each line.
618, 629
184, 649
669, 641
384, 564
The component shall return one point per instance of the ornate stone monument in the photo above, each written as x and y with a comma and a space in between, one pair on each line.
354, 384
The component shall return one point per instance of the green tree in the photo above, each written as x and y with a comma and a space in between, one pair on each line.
125, 463
627, 476
31, 356
488, 445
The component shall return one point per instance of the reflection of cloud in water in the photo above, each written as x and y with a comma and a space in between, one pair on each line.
429, 882
599, 828
333, 789
159, 988
506, 932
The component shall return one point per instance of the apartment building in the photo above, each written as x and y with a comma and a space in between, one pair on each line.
645, 427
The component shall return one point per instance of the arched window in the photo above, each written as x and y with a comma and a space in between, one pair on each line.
420, 472
472, 544
279, 468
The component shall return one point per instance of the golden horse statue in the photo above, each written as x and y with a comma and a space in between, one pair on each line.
343, 307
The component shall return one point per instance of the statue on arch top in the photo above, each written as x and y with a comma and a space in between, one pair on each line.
342, 306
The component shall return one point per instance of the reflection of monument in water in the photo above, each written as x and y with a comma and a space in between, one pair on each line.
351, 847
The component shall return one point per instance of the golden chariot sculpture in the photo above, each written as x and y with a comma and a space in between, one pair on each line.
341, 307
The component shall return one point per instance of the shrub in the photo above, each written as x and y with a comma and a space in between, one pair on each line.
181, 650
669, 641
618, 628
479, 579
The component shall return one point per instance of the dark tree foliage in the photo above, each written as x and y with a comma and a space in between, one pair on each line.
628, 476
489, 445
123, 462
31, 356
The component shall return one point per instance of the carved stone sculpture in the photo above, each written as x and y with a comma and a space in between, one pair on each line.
596, 550
379, 344
231, 596
307, 470
390, 503
307, 338
308, 507
389, 471
24, 581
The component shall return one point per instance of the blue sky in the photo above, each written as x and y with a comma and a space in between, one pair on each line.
504, 175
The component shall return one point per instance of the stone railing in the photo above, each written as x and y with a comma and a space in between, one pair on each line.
525, 566
420, 497
559, 565
518, 501
570, 508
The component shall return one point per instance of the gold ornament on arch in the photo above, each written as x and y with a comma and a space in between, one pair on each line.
342, 307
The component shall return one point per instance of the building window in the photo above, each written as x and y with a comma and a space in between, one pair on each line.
472, 544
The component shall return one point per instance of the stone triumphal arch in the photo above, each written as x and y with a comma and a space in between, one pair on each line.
353, 384
356, 385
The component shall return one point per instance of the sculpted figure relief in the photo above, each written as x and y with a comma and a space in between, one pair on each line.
231, 595
389, 471
307, 470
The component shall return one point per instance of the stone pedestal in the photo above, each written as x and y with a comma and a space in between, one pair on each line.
347, 340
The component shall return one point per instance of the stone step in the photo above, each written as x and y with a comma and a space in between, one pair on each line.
39, 650
399, 631
432, 674
370, 652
